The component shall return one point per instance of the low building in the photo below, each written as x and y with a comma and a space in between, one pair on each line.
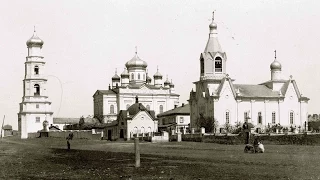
61, 123
136, 121
177, 119
7, 130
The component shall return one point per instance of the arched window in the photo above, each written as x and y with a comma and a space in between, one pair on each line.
291, 117
227, 117
142, 130
111, 109
127, 107
161, 109
135, 130
36, 70
218, 64
139, 76
201, 66
148, 107
259, 118
246, 117
273, 117
132, 76
36, 90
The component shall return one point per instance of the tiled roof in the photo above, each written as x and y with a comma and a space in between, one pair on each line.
182, 110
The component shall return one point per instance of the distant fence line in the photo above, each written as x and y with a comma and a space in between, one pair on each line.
234, 139
77, 134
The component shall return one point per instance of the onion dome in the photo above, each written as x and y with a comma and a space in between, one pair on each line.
136, 107
213, 25
157, 75
125, 73
115, 77
171, 84
34, 40
136, 62
275, 65
167, 82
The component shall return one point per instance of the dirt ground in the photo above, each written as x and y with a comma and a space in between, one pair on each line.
48, 158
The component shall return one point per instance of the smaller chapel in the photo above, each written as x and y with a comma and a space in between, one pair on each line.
136, 121
275, 101
154, 95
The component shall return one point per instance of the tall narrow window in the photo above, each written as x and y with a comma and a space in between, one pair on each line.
36, 70
36, 90
132, 76
245, 117
291, 117
227, 117
259, 118
111, 109
273, 117
138, 75
161, 109
148, 107
202, 66
144, 77
181, 120
218, 64
37, 119
37, 106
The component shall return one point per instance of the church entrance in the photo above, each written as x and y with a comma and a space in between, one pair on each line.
109, 134
121, 133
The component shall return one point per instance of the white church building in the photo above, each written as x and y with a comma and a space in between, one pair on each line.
134, 81
35, 107
276, 101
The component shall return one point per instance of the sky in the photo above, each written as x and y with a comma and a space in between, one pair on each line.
86, 41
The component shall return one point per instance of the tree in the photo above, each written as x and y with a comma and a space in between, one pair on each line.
209, 123
81, 121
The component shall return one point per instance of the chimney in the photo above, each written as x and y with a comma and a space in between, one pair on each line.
175, 106
182, 104
109, 87
137, 100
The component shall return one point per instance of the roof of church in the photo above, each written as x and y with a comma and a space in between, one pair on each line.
248, 90
182, 110
106, 92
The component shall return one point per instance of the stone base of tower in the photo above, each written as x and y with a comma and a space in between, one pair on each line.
32, 123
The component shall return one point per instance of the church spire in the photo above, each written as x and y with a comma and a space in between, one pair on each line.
213, 44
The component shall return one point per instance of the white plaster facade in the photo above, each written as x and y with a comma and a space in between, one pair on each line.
276, 101
35, 107
134, 81
134, 122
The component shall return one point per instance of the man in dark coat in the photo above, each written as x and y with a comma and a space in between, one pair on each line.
246, 130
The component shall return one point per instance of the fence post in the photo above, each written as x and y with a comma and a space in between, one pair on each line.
137, 152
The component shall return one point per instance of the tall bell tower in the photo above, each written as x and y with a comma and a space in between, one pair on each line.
35, 107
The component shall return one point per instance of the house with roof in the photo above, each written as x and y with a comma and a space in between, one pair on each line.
157, 96
177, 119
276, 101
136, 121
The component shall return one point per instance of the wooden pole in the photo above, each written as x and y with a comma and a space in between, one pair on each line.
4, 116
137, 152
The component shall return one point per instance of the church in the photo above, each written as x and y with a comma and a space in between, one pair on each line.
35, 108
134, 81
275, 101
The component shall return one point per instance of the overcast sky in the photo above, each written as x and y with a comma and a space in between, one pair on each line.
85, 41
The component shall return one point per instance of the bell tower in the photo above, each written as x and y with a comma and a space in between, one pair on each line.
213, 59
35, 107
